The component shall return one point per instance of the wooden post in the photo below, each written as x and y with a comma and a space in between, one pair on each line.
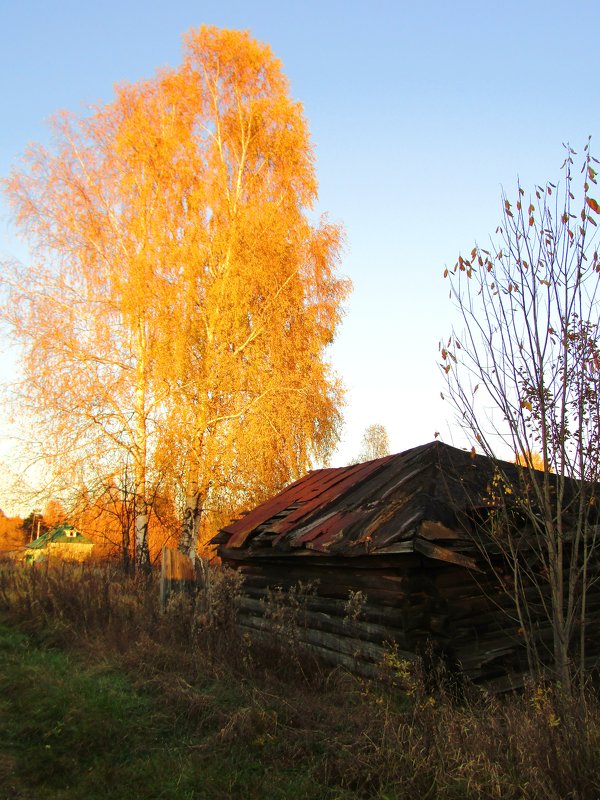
177, 575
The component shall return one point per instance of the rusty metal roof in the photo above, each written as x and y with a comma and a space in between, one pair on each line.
414, 501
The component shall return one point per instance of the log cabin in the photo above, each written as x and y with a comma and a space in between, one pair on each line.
397, 553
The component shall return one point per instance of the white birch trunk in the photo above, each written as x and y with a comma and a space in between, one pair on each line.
142, 554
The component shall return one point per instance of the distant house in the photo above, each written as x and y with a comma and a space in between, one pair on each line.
64, 542
404, 531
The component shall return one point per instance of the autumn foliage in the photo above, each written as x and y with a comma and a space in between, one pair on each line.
12, 535
175, 319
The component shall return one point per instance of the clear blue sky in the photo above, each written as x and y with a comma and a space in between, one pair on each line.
419, 115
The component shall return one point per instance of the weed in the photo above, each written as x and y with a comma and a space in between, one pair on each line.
104, 696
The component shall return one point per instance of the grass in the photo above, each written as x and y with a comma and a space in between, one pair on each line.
71, 730
104, 697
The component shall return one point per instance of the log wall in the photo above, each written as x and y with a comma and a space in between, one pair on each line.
413, 604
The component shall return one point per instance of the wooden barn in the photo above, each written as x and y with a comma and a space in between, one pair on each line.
404, 531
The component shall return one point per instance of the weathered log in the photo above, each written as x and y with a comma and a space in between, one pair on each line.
357, 648
326, 656
319, 620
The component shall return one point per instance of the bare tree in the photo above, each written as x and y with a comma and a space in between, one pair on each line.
523, 374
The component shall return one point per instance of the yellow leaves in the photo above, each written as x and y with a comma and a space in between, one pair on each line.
180, 210
499, 487
542, 702
526, 404
531, 459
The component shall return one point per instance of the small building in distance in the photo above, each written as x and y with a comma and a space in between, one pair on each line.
64, 543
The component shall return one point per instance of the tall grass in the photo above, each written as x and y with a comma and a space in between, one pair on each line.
258, 719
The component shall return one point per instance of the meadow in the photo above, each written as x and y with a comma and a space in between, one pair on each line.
103, 695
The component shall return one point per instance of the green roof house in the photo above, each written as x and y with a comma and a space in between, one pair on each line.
63, 542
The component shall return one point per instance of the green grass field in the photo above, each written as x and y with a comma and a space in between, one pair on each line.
69, 730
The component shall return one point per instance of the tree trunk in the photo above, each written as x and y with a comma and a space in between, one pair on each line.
125, 544
142, 554
191, 523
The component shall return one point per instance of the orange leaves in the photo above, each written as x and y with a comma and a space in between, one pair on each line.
533, 460
205, 296
593, 204
448, 356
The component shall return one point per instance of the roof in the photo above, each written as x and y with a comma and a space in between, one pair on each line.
415, 501
59, 535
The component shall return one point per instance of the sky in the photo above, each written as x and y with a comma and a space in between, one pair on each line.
419, 116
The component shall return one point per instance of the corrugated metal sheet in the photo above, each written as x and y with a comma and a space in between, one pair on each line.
372, 508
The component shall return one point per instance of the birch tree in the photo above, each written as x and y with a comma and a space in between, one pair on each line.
375, 443
262, 300
87, 311
178, 311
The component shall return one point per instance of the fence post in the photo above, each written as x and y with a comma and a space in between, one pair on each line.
177, 574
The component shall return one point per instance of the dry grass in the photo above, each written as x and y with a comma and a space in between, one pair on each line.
276, 707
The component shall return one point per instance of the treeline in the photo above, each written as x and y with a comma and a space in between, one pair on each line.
106, 520
12, 534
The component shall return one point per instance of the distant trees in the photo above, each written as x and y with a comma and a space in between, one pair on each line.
54, 513
13, 534
533, 460
523, 372
34, 525
375, 444
178, 309
107, 517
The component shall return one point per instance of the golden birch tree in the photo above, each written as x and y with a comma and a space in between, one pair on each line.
178, 312
87, 312
262, 300
375, 443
